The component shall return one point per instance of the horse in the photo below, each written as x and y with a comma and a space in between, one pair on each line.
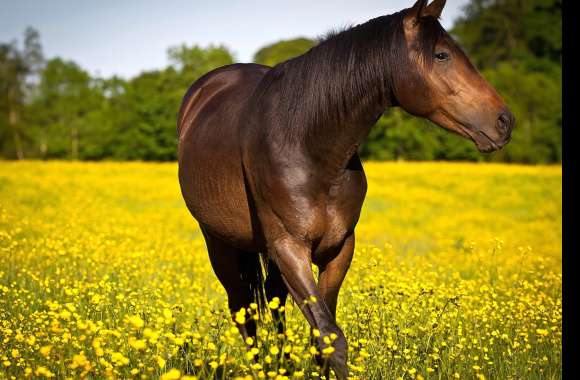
268, 162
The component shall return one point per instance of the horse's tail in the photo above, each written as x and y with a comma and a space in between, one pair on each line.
254, 269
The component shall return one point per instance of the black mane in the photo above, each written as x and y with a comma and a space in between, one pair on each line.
324, 85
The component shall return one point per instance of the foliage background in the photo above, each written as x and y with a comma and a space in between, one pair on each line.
55, 109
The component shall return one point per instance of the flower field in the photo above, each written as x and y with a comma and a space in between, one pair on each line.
104, 274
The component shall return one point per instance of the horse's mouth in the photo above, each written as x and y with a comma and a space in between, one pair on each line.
488, 144
480, 138
483, 142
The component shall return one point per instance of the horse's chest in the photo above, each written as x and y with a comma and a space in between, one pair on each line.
296, 202
342, 211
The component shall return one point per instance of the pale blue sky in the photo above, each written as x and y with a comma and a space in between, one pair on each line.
125, 37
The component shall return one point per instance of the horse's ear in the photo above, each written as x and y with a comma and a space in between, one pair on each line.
415, 13
434, 9
421, 9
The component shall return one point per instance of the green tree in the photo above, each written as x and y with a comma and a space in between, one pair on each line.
19, 69
191, 62
518, 46
280, 51
142, 113
66, 97
494, 31
13, 71
535, 97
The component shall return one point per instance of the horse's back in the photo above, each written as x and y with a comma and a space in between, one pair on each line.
210, 163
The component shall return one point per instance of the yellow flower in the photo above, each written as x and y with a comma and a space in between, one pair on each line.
241, 317
172, 374
274, 303
138, 344
119, 359
136, 321
97, 347
168, 315
43, 371
80, 360
328, 350
45, 350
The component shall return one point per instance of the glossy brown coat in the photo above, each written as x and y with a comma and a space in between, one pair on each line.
268, 160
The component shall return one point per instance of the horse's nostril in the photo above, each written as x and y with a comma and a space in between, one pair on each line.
505, 122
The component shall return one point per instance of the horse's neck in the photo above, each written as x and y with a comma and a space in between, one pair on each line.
333, 140
327, 102
332, 146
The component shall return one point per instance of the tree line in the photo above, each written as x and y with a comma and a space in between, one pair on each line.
54, 109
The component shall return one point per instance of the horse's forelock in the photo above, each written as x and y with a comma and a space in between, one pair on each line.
430, 32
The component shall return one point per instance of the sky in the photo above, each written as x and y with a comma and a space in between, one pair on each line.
125, 37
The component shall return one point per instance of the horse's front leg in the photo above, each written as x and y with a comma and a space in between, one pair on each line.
293, 257
333, 272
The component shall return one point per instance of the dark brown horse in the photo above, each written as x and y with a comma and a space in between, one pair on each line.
268, 160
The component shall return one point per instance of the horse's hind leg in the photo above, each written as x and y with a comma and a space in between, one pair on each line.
239, 273
275, 287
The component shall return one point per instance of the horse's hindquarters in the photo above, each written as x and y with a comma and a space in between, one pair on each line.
210, 166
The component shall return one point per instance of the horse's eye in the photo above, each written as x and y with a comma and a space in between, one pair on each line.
442, 56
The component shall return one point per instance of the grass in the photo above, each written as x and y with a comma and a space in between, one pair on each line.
103, 274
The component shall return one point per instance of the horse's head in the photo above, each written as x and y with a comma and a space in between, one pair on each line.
440, 83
